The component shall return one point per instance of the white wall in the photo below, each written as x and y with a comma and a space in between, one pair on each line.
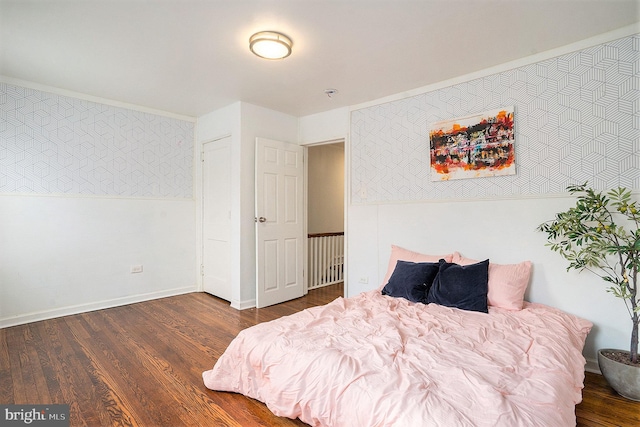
64, 255
325, 188
327, 126
88, 190
568, 130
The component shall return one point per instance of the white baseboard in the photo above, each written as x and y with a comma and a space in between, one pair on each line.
592, 366
243, 305
83, 308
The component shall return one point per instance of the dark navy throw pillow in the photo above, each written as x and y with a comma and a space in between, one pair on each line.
411, 280
461, 286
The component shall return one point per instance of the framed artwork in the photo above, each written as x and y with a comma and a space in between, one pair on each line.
475, 146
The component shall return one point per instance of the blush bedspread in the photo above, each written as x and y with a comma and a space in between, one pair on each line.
374, 360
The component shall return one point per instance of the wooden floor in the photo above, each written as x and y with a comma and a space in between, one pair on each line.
141, 364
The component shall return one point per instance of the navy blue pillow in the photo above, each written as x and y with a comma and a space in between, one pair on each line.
461, 286
411, 280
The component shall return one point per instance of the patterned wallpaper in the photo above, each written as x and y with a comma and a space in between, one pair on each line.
577, 119
52, 144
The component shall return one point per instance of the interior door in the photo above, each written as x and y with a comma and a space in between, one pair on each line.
216, 214
279, 222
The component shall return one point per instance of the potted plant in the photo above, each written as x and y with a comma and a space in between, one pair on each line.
588, 236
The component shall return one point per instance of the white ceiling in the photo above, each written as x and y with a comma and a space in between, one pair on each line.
191, 57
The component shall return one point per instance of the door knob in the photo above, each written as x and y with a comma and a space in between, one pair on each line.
262, 219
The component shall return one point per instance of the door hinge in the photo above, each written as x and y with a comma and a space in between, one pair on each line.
202, 269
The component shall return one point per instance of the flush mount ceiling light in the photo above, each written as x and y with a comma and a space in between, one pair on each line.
270, 45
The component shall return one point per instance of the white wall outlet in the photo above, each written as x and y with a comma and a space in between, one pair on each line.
364, 279
136, 269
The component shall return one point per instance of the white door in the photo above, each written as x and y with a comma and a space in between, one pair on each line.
216, 214
279, 222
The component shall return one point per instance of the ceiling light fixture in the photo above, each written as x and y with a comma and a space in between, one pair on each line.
270, 45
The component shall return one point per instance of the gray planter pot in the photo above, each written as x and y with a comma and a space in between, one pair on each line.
624, 379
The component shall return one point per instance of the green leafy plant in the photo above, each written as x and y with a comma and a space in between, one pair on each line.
588, 236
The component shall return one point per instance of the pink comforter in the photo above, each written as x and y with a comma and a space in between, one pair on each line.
374, 360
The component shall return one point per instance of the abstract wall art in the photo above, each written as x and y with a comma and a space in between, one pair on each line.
477, 146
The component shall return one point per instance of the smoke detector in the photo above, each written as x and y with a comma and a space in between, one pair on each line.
330, 92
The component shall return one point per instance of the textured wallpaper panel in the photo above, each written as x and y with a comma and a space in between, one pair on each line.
52, 144
577, 119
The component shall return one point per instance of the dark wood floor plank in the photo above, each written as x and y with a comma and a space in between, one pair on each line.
115, 403
45, 364
161, 354
80, 373
37, 365
15, 344
142, 364
157, 357
6, 380
68, 373
114, 352
197, 336
190, 337
602, 406
32, 368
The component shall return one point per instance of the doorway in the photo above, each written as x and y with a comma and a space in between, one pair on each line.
325, 214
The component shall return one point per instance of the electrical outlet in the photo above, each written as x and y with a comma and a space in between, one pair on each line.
136, 269
364, 279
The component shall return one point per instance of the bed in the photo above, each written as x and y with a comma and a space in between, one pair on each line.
381, 358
